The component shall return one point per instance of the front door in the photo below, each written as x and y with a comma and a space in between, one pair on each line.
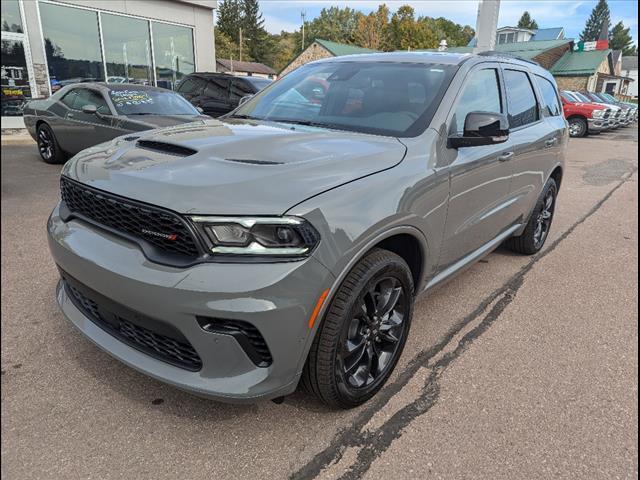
480, 177
87, 129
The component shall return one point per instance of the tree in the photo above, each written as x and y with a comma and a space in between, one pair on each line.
225, 47
527, 22
373, 29
620, 39
230, 19
456, 35
334, 24
599, 16
407, 33
253, 31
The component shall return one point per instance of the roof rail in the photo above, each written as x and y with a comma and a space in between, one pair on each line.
494, 53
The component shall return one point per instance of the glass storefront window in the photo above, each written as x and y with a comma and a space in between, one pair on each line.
127, 49
11, 21
15, 78
72, 45
173, 52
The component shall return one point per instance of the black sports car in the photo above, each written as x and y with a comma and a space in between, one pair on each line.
81, 115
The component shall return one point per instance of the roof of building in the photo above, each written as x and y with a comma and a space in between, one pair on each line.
250, 67
539, 35
339, 49
526, 50
579, 63
630, 63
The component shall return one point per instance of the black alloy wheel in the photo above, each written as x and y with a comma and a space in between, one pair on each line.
48, 145
544, 217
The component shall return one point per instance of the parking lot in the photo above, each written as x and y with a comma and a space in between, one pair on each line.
518, 368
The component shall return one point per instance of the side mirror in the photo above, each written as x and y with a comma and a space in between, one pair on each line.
244, 99
90, 109
481, 128
200, 110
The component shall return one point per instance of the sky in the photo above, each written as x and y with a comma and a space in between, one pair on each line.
570, 14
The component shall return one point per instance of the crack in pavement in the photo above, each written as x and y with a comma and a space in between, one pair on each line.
373, 444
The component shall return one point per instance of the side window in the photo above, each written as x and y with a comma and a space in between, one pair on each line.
550, 102
90, 97
69, 98
217, 89
523, 107
481, 93
240, 88
191, 86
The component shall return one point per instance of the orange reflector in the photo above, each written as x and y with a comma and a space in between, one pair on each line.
316, 310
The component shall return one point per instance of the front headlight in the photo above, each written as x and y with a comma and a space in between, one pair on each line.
258, 236
598, 113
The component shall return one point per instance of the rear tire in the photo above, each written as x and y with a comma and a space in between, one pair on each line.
578, 127
535, 234
363, 333
48, 146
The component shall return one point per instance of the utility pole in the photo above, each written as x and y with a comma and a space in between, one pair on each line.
303, 15
240, 43
486, 25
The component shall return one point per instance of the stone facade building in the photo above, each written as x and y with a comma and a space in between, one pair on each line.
323, 49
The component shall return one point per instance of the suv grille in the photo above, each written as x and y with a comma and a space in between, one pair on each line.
164, 230
174, 349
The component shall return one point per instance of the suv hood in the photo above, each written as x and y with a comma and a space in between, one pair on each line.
232, 168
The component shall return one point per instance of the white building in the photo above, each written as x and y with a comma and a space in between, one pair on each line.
630, 69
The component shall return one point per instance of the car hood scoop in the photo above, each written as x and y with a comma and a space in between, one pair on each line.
238, 168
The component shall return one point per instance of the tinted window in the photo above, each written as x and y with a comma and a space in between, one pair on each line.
258, 83
72, 44
127, 49
384, 98
523, 108
239, 89
11, 21
15, 79
217, 88
173, 52
550, 102
69, 98
150, 102
191, 86
90, 97
481, 93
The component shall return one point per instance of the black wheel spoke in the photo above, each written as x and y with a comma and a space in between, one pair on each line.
389, 295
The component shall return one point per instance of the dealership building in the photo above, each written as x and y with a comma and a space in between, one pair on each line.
47, 44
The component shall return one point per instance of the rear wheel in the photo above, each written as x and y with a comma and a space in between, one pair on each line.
363, 332
48, 146
535, 234
577, 127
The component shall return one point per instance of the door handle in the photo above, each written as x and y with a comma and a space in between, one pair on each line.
70, 115
506, 156
550, 143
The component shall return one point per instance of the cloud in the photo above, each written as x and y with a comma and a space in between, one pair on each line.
276, 25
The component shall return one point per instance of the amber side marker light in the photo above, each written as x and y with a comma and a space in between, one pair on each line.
316, 310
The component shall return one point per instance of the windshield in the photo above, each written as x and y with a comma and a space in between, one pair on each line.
150, 102
570, 97
384, 98
582, 98
259, 83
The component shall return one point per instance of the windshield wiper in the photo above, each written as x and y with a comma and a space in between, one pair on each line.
306, 123
245, 117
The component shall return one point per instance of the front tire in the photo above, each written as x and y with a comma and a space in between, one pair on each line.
363, 333
535, 234
578, 127
48, 146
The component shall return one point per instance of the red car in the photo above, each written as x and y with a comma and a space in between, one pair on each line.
583, 117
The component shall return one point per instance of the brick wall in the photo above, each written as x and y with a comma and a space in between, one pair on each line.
315, 51
40, 77
549, 58
572, 83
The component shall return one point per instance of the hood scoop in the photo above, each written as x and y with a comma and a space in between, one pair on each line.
164, 147
249, 161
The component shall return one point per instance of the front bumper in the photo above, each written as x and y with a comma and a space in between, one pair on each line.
597, 125
276, 298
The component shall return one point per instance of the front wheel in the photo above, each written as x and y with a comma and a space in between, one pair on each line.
363, 333
578, 127
48, 146
537, 230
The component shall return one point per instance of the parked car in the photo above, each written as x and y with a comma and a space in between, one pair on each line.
218, 93
625, 111
616, 112
82, 115
286, 243
606, 97
584, 118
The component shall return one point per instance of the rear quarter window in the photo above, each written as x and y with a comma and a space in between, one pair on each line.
521, 99
551, 105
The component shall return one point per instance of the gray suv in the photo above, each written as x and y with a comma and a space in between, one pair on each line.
284, 244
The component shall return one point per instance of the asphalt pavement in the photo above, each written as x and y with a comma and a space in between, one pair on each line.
521, 367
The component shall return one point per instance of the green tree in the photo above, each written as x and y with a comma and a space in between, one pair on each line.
254, 35
335, 24
527, 22
373, 30
407, 33
456, 35
229, 22
599, 16
621, 39
225, 47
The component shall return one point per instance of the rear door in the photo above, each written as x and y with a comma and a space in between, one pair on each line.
215, 98
480, 176
192, 89
240, 88
535, 141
